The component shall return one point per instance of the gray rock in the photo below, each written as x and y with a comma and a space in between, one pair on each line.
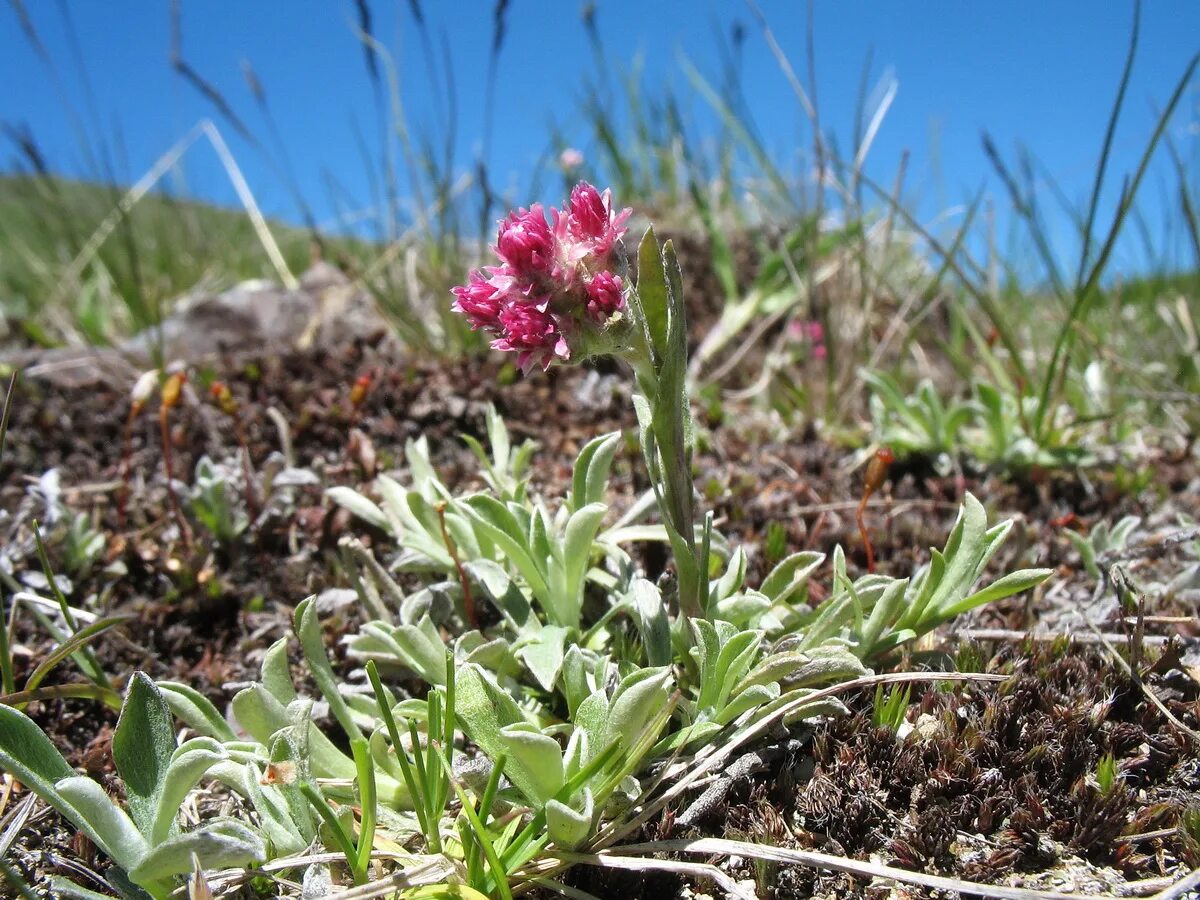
326, 309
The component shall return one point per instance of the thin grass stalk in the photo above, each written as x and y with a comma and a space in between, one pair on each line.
1060, 358
64, 607
329, 817
367, 801
1106, 147
416, 791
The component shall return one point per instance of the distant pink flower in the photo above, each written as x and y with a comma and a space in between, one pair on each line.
533, 333
811, 332
525, 242
605, 296
591, 221
570, 158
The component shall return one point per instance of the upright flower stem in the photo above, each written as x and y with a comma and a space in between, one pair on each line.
659, 359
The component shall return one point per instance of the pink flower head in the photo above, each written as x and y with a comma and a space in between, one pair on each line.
480, 300
526, 243
533, 333
591, 221
604, 296
554, 293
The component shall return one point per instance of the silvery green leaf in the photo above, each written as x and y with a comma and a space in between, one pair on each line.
358, 505
827, 664
576, 755
416, 454
705, 650
275, 817
539, 539
220, 844
258, 713
834, 618
590, 477
195, 710
63, 888
923, 587
652, 293
577, 551
1006, 586
827, 707
501, 590
418, 647
499, 523
142, 744
637, 699
732, 579
651, 612
543, 654
537, 754
308, 630
495, 656
883, 614
697, 733
745, 608
774, 667
575, 685
102, 820
498, 437
790, 575
310, 744
592, 718
751, 698
568, 828
1086, 551
483, 708
188, 765
737, 655
277, 672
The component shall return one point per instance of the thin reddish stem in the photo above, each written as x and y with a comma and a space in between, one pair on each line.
468, 600
877, 470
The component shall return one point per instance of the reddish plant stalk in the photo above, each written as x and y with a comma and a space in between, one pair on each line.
468, 600
877, 470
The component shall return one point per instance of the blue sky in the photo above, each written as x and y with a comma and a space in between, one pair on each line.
1037, 73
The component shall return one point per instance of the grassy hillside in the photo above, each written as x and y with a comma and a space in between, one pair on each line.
164, 247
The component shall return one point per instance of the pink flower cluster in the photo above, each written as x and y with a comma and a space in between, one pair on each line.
554, 278
811, 332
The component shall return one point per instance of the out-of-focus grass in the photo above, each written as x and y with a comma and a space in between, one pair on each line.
162, 249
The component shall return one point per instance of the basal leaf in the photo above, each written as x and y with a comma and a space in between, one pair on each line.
142, 744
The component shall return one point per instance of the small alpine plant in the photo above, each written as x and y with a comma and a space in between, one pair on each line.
562, 293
